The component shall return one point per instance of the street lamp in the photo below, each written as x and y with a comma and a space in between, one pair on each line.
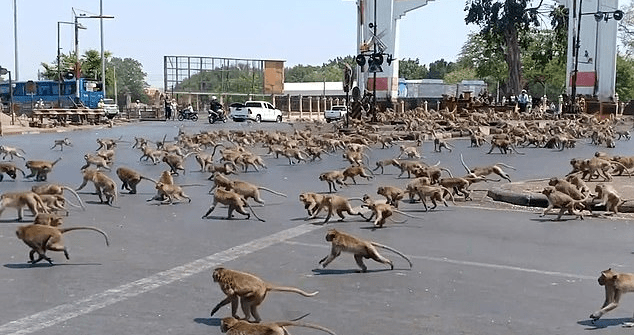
77, 70
59, 71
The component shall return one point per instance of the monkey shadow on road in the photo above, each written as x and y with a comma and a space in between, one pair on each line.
43, 265
320, 272
208, 321
604, 323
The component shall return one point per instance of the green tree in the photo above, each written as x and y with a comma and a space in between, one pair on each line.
502, 22
411, 69
439, 68
625, 77
130, 79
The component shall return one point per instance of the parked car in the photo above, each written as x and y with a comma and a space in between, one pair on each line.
256, 111
335, 113
233, 107
110, 108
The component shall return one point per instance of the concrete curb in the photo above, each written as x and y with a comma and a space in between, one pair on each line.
540, 200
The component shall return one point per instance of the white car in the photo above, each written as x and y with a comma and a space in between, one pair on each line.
257, 111
110, 108
335, 113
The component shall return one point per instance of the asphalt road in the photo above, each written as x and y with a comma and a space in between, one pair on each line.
478, 269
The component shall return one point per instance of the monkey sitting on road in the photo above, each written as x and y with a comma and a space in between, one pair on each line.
233, 200
233, 326
247, 289
62, 143
18, 200
343, 242
41, 238
130, 178
335, 204
616, 285
11, 151
311, 201
561, 200
10, 169
332, 177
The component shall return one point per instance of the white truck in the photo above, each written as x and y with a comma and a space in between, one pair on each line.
256, 111
335, 113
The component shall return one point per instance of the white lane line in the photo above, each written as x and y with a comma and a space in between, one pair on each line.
470, 263
94, 302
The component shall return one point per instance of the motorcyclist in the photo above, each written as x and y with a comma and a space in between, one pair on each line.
216, 107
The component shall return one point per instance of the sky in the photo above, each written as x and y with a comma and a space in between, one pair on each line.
307, 32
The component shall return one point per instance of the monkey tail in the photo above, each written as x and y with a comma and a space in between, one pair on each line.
304, 324
55, 162
150, 179
624, 168
394, 251
23, 174
448, 171
81, 204
271, 287
408, 215
252, 211
506, 166
464, 164
215, 147
65, 230
270, 190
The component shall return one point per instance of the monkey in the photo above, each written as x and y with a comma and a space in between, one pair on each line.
335, 204
233, 200
233, 326
382, 211
566, 187
360, 248
10, 169
609, 197
504, 145
41, 238
169, 192
18, 200
616, 284
355, 157
130, 179
623, 133
581, 185
204, 159
392, 194
294, 153
245, 189
382, 164
311, 201
435, 193
149, 153
62, 143
107, 143
332, 177
627, 162
477, 140
97, 161
48, 219
107, 155
40, 169
487, 170
460, 186
166, 178
54, 202
226, 168
249, 289
410, 188
353, 171
439, 144
561, 200
410, 152
11, 152
175, 162
104, 185
57, 189
407, 166
595, 167
139, 141
249, 159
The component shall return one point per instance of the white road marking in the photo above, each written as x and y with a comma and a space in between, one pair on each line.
94, 302
470, 263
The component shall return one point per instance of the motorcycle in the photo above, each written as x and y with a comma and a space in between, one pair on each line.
219, 115
186, 114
